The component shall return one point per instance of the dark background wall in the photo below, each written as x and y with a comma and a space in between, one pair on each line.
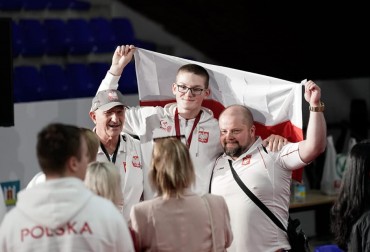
288, 40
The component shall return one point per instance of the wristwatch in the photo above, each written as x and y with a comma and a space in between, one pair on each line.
319, 108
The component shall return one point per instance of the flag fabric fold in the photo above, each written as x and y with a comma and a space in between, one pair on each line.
276, 104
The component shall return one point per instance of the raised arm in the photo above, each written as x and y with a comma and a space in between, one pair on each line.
315, 142
121, 57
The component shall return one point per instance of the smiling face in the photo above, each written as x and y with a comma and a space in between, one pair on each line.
109, 123
189, 103
237, 131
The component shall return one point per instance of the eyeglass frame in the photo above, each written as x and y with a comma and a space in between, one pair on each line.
192, 90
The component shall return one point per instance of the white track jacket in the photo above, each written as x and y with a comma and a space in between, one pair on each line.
150, 122
63, 215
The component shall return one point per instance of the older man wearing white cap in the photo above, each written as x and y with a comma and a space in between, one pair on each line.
108, 114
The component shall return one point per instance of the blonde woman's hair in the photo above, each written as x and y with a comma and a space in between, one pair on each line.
172, 170
92, 141
103, 178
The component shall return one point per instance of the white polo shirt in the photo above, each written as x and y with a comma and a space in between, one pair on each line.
129, 163
268, 176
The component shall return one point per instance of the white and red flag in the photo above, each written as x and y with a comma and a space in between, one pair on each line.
276, 104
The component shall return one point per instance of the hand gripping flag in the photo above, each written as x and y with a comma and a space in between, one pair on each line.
275, 104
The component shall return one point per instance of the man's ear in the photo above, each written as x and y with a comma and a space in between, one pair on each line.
253, 130
72, 165
93, 116
174, 88
207, 92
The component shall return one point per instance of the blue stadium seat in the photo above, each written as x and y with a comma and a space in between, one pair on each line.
123, 30
80, 5
98, 70
58, 37
104, 37
59, 4
80, 80
328, 248
18, 94
128, 81
56, 82
28, 84
11, 5
33, 37
35, 5
16, 39
82, 40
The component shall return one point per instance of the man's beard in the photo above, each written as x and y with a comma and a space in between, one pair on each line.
235, 151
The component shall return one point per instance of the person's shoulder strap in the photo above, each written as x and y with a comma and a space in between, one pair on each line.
213, 168
255, 199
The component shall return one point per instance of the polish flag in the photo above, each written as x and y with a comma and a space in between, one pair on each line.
276, 104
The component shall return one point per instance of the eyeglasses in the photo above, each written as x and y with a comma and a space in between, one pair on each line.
194, 91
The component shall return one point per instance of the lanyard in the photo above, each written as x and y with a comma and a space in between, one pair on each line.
177, 127
114, 154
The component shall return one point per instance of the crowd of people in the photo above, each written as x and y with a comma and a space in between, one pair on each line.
143, 180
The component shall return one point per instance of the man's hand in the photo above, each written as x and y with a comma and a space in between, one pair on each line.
274, 143
121, 57
312, 93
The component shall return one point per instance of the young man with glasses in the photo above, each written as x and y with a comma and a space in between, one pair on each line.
185, 117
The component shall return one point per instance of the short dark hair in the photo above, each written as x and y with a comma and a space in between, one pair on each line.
195, 69
56, 143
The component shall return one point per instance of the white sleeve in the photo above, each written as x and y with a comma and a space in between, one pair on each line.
137, 118
109, 82
289, 157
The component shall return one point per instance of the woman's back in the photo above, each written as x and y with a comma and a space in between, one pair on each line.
178, 219
181, 224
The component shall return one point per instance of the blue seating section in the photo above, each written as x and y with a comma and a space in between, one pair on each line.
41, 5
74, 80
128, 81
64, 41
28, 84
105, 38
123, 30
80, 80
58, 37
13, 5
33, 37
82, 40
56, 79
17, 43
99, 70
75, 36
